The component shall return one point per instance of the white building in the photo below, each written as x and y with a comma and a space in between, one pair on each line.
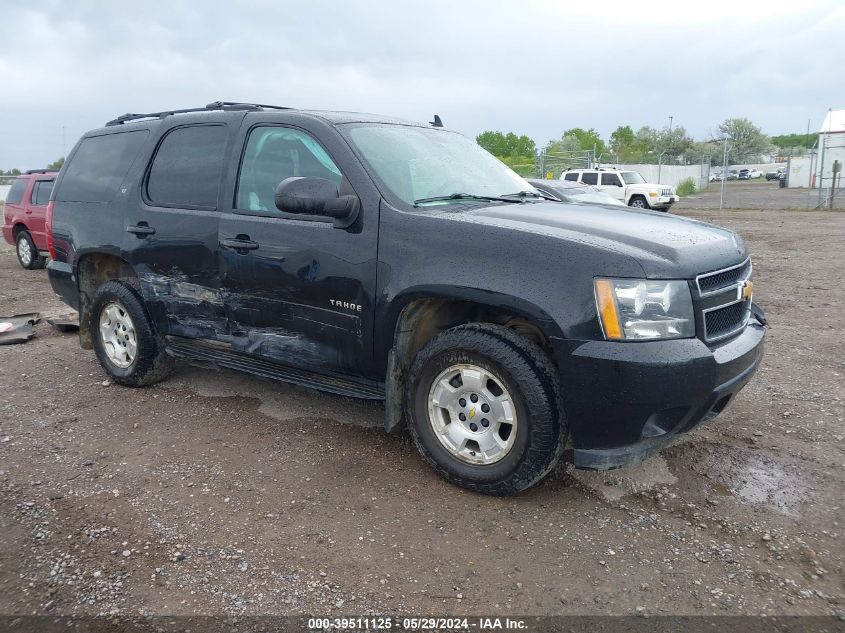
816, 170
831, 146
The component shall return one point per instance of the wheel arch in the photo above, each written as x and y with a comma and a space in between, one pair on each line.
417, 315
642, 196
94, 268
18, 228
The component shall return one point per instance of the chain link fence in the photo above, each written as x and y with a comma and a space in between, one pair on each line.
551, 164
831, 193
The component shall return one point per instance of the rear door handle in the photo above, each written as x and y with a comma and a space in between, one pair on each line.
142, 229
239, 244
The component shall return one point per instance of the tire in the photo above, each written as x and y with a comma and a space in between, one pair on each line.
638, 202
123, 336
27, 252
522, 374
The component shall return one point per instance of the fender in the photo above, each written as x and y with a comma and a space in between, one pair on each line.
388, 317
392, 352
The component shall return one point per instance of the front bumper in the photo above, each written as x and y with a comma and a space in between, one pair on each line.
625, 401
663, 202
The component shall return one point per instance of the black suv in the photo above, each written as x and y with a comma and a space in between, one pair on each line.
391, 260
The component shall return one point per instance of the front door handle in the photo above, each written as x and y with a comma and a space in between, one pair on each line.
142, 229
239, 244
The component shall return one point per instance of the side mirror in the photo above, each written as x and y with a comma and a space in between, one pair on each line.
316, 196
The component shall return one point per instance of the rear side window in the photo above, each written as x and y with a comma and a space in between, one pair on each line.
571, 176
99, 165
187, 167
611, 179
17, 190
590, 178
41, 192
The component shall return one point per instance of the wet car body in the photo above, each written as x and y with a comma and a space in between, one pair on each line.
306, 301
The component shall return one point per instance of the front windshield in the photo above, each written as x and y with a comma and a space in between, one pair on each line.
416, 163
632, 178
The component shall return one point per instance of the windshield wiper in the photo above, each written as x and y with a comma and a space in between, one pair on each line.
465, 196
530, 194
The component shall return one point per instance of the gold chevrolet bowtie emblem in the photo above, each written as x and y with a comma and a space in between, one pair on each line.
472, 413
747, 290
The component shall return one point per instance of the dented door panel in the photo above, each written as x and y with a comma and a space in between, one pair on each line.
304, 296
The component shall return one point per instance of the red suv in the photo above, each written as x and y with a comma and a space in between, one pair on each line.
25, 215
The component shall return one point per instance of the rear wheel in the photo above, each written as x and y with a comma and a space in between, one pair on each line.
638, 202
484, 409
28, 256
124, 339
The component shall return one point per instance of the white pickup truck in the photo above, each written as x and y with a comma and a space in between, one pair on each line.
627, 186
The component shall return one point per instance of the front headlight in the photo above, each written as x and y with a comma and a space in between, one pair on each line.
641, 309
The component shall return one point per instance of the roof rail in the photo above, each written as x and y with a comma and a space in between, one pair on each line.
214, 105
40, 171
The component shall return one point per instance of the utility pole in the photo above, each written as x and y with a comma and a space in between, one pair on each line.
724, 173
670, 123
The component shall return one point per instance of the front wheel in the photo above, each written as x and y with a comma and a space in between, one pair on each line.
484, 409
638, 202
28, 256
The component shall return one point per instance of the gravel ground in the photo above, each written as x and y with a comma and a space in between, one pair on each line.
219, 493
753, 194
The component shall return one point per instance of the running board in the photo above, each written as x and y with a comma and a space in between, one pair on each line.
223, 357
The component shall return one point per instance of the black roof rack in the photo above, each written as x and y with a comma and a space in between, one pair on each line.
40, 171
214, 105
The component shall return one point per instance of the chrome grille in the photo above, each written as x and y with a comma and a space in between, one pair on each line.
719, 280
722, 322
723, 308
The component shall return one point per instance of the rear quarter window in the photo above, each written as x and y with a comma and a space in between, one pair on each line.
17, 190
99, 165
41, 192
571, 176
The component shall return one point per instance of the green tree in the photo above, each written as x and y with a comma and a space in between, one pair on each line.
501, 145
565, 144
674, 142
626, 146
795, 140
744, 138
585, 139
621, 138
493, 142
699, 151
56, 165
794, 143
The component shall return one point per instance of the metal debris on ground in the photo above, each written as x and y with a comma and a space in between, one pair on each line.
68, 322
18, 328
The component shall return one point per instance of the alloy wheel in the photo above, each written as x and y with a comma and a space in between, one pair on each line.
117, 332
472, 414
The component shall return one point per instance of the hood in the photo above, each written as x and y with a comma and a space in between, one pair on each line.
648, 185
666, 246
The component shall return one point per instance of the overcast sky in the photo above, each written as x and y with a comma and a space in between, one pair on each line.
534, 68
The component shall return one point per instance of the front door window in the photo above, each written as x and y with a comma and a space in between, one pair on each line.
273, 154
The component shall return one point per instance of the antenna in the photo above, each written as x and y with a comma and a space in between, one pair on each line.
437, 122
